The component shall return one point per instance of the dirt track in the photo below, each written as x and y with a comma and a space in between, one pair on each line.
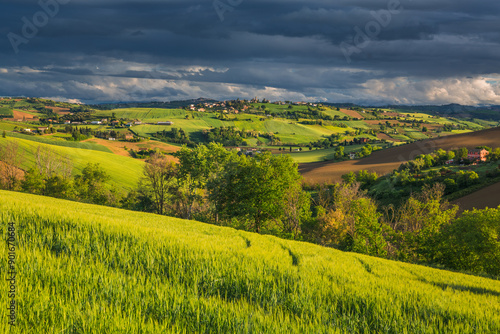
384, 162
486, 197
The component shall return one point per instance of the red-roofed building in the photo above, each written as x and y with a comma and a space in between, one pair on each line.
478, 155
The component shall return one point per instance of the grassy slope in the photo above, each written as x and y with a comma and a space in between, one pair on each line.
59, 140
91, 269
5, 111
125, 172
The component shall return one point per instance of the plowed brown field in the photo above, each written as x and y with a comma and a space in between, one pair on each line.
20, 115
59, 111
384, 162
352, 113
486, 197
118, 147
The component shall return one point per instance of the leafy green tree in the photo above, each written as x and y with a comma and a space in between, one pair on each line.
418, 223
297, 210
366, 150
197, 167
255, 189
461, 153
339, 153
471, 243
62, 187
349, 178
352, 223
33, 182
90, 185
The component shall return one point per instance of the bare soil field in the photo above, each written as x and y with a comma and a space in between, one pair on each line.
486, 197
118, 147
385, 161
383, 136
58, 110
352, 113
20, 115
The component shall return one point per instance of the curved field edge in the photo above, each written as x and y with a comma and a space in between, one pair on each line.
480, 199
124, 172
385, 161
90, 269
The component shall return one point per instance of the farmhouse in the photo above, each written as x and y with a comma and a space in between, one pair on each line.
478, 155
364, 140
352, 155
96, 122
165, 123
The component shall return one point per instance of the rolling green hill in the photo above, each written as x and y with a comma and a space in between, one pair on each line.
91, 269
124, 172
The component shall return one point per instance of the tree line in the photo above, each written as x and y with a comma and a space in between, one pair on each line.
266, 194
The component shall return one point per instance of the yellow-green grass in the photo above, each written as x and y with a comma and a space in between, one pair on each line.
124, 172
429, 118
415, 134
471, 125
288, 132
307, 156
91, 269
10, 126
459, 131
6, 112
144, 114
356, 124
59, 140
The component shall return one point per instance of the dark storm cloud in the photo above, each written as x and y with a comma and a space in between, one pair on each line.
118, 50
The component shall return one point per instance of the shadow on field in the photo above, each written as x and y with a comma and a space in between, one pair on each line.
478, 291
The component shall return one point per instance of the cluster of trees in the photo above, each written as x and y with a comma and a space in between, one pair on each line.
175, 135
212, 184
265, 194
52, 175
330, 141
228, 136
424, 229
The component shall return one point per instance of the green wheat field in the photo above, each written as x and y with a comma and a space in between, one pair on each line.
91, 269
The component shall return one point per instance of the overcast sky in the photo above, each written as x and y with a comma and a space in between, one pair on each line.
361, 51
